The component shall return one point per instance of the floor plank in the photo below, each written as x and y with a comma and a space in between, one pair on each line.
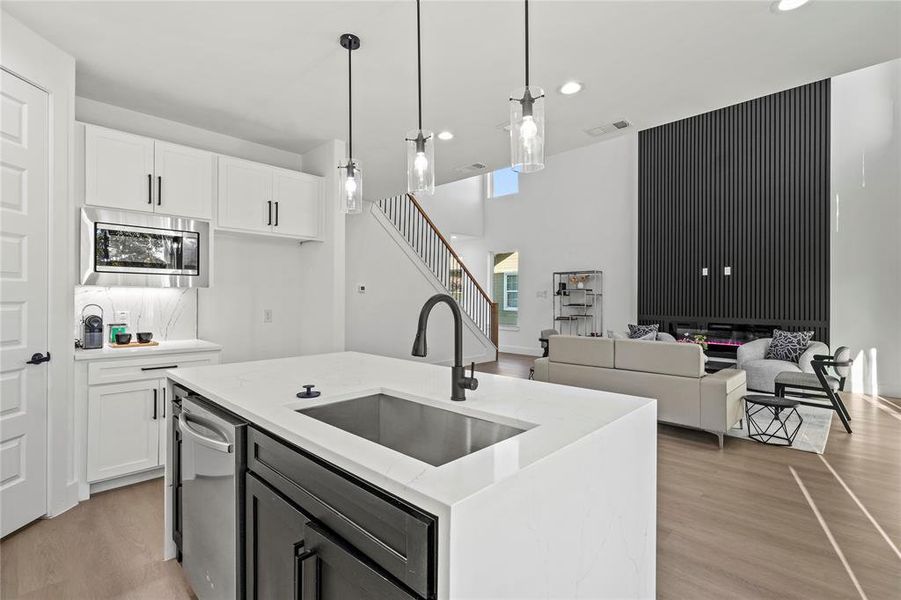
731, 523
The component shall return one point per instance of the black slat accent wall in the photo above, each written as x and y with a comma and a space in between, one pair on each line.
745, 186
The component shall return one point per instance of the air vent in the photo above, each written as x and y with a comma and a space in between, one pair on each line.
476, 166
608, 128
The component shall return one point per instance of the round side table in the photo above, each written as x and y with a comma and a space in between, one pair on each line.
780, 410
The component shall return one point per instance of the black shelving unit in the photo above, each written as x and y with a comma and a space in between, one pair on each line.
579, 310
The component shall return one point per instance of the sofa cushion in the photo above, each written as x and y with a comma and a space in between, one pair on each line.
685, 360
581, 350
762, 372
637, 332
804, 380
678, 398
788, 345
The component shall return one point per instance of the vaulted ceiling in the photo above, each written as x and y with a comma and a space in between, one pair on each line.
273, 73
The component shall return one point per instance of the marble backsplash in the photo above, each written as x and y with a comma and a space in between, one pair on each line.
168, 313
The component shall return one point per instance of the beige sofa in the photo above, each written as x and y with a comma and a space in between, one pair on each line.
673, 373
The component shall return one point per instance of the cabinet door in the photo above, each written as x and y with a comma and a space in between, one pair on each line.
274, 532
118, 169
184, 181
123, 428
298, 203
245, 195
330, 569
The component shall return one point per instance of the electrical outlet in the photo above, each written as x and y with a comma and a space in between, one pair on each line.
704, 272
727, 271
267, 315
122, 316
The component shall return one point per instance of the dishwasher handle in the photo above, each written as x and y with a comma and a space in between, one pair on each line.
189, 432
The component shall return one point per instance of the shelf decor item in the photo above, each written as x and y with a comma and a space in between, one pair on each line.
420, 143
527, 121
353, 175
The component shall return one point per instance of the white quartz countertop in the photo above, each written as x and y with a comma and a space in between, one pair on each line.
264, 392
164, 347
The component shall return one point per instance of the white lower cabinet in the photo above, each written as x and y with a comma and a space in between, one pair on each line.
122, 406
124, 428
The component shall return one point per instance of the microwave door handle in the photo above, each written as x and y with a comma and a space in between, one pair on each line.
189, 432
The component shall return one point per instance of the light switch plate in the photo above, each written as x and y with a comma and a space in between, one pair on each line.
267, 315
727, 270
704, 272
122, 316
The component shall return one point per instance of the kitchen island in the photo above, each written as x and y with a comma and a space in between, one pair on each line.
563, 506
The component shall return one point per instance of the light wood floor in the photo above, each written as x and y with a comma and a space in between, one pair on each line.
735, 523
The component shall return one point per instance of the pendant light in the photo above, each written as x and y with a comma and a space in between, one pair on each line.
527, 121
352, 184
420, 143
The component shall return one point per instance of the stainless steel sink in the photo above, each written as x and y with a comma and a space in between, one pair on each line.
423, 432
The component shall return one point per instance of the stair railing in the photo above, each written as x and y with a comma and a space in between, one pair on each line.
415, 226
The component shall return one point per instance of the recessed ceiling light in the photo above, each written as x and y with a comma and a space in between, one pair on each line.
445, 135
787, 5
574, 87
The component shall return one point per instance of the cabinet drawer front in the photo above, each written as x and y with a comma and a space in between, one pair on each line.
393, 534
145, 367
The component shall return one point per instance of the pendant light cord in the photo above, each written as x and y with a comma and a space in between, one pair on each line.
350, 106
527, 43
419, 64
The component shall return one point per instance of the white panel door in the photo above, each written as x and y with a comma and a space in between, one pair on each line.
298, 202
184, 181
123, 428
118, 169
245, 195
24, 220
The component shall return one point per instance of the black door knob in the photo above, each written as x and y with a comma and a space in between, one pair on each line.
38, 358
309, 392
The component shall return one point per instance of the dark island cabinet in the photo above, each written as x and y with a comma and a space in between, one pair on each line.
315, 532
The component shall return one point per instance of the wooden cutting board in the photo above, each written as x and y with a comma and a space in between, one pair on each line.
135, 345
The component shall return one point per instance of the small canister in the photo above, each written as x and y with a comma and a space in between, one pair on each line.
114, 329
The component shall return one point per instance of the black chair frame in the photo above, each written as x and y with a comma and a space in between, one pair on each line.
820, 363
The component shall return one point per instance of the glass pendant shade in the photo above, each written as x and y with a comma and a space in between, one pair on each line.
527, 129
352, 186
420, 162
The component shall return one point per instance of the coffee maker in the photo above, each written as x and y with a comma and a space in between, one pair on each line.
92, 329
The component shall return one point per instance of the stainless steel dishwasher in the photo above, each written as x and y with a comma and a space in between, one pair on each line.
209, 503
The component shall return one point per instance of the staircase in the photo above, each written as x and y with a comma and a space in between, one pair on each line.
427, 242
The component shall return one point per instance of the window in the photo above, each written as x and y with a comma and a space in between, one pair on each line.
505, 287
511, 291
503, 182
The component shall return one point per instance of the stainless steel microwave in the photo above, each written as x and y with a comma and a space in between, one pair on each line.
135, 249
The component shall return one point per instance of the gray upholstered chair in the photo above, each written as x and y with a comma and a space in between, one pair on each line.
762, 371
821, 385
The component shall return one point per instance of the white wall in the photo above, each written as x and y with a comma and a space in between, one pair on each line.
458, 207
579, 212
383, 320
866, 224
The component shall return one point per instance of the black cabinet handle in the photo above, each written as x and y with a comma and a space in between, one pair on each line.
38, 358
159, 368
159, 190
276, 214
306, 566
164, 402
149, 188
269, 202
154, 404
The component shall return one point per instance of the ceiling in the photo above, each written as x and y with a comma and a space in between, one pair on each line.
273, 72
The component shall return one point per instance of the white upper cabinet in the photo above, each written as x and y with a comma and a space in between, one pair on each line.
132, 172
118, 169
245, 195
297, 199
259, 198
184, 180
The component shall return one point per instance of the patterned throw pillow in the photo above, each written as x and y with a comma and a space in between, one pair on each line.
637, 332
788, 345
